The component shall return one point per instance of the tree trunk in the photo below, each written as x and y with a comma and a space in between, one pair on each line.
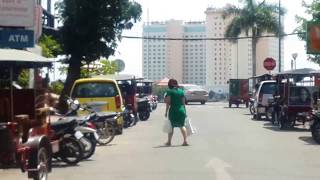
254, 56
72, 75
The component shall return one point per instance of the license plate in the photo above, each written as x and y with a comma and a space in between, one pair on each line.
96, 135
261, 110
78, 134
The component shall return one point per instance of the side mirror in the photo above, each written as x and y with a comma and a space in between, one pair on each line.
75, 105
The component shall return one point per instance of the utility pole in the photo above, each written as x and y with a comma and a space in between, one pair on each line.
280, 31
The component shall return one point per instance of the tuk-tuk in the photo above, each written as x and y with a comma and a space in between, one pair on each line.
24, 127
239, 92
294, 97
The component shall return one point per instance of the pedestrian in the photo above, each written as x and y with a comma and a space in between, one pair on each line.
175, 104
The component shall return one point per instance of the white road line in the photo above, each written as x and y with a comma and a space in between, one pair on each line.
220, 168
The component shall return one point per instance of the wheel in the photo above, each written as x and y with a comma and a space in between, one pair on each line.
143, 116
88, 145
230, 104
203, 102
42, 158
251, 108
257, 116
269, 112
237, 105
186, 102
106, 133
286, 122
247, 104
315, 131
70, 151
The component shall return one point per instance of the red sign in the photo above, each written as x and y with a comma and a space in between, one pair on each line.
269, 64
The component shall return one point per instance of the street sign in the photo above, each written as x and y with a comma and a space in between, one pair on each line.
269, 64
17, 13
313, 38
16, 38
120, 65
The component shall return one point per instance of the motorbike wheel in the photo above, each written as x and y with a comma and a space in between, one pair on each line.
71, 151
315, 131
42, 165
89, 145
143, 116
106, 134
286, 123
269, 113
251, 108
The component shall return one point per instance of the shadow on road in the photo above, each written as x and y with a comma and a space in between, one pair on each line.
308, 139
247, 114
276, 128
164, 146
59, 164
235, 107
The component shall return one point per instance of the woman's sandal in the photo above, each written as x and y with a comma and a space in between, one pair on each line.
185, 144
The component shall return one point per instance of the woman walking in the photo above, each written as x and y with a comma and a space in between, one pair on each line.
175, 104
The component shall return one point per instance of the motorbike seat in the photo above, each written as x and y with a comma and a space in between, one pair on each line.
63, 123
106, 115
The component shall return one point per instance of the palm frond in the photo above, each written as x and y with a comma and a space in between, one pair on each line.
230, 10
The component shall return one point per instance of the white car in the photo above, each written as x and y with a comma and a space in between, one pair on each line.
194, 93
264, 92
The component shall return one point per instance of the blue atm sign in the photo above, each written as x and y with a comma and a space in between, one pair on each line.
16, 38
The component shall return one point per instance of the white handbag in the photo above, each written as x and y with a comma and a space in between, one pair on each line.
167, 127
190, 129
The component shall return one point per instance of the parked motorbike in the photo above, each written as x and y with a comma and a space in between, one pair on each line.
315, 126
251, 106
144, 108
129, 117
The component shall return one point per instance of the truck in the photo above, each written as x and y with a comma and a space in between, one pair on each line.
239, 92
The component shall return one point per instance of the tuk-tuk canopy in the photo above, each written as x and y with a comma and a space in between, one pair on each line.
22, 58
120, 77
303, 71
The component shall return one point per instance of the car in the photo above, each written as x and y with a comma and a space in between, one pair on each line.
194, 93
265, 91
101, 94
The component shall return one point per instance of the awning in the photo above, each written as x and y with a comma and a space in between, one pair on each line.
303, 71
120, 77
22, 58
163, 82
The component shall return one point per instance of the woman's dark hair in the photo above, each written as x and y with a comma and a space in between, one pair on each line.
172, 83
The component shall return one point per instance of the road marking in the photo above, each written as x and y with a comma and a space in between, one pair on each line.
219, 166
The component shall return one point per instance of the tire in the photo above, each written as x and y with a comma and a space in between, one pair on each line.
286, 123
143, 116
237, 105
203, 102
230, 104
258, 116
269, 112
71, 151
247, 104
42, 158
88, 145
251, 108
186, 102
315, 132
106, 133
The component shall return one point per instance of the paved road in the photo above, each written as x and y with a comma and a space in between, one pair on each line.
228, 146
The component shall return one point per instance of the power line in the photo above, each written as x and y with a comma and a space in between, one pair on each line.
208, 39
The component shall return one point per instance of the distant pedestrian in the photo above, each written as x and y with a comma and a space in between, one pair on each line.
175, 104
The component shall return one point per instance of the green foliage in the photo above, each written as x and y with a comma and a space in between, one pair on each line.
56, 87
23, 79
91, 29
254, 18
312, 9
50, 47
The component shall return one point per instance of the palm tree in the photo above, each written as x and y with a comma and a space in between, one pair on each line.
253, 19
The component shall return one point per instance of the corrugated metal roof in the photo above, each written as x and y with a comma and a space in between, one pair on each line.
21, 57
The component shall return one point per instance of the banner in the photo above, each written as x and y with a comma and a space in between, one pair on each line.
17, 13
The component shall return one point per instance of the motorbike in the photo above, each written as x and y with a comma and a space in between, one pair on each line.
129, 117
144, 108
251, 106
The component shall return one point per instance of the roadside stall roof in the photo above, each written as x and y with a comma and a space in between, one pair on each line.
261, 76
303, 71
22, 58
119, 77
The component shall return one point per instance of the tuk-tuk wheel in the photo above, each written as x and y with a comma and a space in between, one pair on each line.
287, 123
230, 104
42, 165
315, 131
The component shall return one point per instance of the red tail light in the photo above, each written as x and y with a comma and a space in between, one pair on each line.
118, 102
91, 125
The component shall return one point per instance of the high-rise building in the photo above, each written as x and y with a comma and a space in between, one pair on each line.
182, 60
210, 62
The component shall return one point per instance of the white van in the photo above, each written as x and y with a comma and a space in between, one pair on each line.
265, 91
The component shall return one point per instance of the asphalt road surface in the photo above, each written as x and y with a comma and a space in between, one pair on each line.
228, 145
